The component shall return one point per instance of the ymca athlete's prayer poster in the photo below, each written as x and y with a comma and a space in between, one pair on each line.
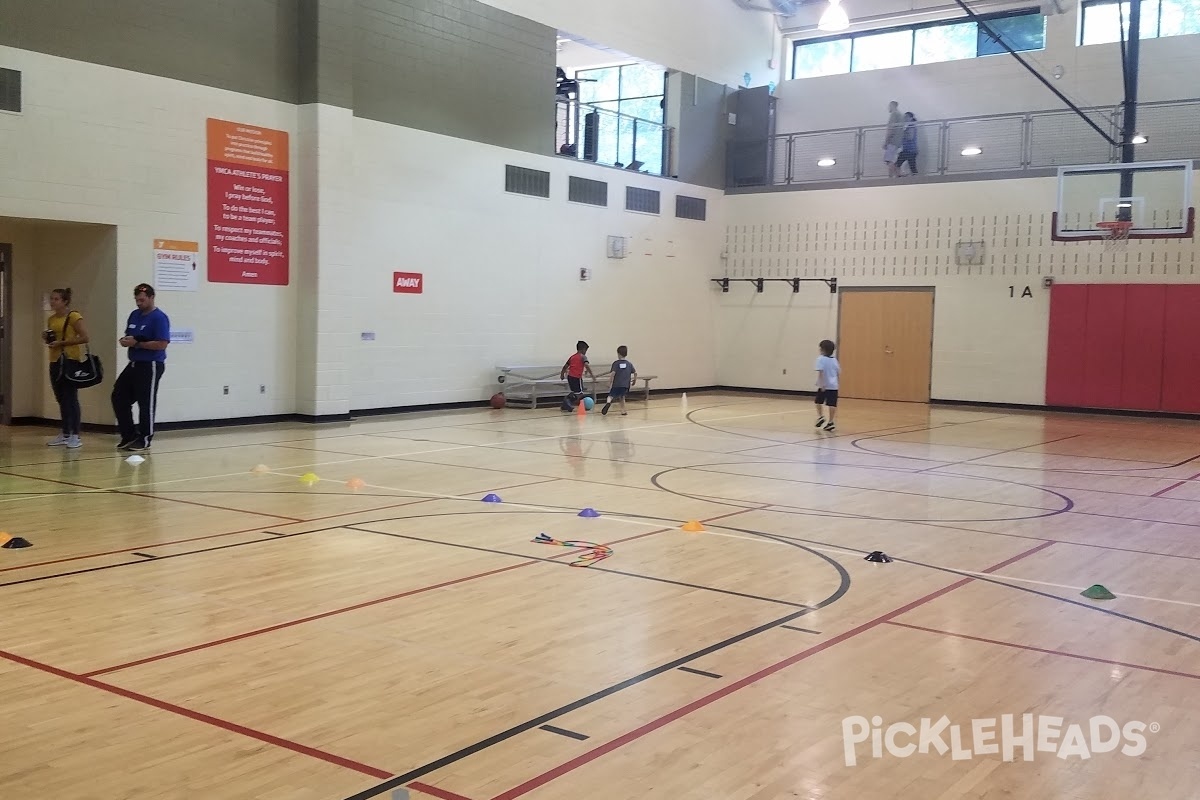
247, 204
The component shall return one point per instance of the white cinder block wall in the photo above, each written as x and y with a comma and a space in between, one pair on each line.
988, 346
101, 145
502, 271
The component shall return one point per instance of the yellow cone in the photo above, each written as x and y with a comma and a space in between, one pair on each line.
4, 538
692, 526
309, 478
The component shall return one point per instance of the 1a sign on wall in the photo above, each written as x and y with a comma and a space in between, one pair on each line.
408, 282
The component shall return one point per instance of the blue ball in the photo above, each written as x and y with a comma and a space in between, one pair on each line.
589, 403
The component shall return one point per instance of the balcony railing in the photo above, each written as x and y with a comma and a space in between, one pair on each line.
1030, 143
602, 136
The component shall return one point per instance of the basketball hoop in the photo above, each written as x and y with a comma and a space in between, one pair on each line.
1116, 234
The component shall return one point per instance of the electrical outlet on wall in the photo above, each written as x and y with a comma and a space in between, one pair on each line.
224, 390
262, 388
785, 370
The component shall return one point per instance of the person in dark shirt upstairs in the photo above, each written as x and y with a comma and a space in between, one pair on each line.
908, 145
147, 334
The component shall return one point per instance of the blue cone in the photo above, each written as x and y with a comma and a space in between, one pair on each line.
589, 512
492, 498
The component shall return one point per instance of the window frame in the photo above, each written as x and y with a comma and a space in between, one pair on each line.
1086, 4
621, 98
851, 37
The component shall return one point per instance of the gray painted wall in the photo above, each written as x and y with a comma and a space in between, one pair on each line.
326, 52
702, 132
246, 46
456, 67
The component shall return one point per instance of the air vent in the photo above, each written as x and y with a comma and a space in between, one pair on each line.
582, 190
10, 90
645, 200
522, 180
691, 207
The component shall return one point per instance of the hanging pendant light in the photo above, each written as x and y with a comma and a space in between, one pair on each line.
834, 18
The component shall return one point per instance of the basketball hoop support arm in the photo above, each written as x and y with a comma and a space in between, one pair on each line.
1130, 56
988, 30
832, 283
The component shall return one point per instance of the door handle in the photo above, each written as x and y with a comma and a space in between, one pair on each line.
887, 350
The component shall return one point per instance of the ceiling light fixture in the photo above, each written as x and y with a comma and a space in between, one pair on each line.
834, 18
826, 162
1139, 138
972, 151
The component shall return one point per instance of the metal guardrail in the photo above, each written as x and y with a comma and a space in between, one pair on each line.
602, 136
1007, 143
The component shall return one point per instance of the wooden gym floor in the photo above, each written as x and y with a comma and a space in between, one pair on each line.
187, 628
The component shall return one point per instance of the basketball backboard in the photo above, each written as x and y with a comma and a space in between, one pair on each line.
1157, 203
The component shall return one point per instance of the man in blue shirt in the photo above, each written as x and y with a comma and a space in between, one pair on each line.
147, 334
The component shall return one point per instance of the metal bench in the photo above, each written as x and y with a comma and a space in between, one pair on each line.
526, 385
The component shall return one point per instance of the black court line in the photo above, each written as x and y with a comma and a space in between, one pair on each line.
503, 736
997, 580
276, 534
562, 563
147, 559
563, 732
802, 630
144, 555
702, 672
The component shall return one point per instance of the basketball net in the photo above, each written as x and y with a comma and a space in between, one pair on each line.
1116, 235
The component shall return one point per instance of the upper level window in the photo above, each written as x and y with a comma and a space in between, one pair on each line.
629, 102
926, 43
1103, 20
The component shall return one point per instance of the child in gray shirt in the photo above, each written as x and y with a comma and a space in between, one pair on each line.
624, 374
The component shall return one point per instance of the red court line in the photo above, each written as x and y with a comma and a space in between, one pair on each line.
433, 791
302, 620
377, 601
637, 733
232, 727
1174, 486
1048, 652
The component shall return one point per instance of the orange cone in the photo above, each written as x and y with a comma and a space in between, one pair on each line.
692, 526
581, 410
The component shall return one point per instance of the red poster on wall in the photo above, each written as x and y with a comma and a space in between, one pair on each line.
248, 239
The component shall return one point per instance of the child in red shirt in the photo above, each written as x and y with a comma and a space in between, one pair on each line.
573, 371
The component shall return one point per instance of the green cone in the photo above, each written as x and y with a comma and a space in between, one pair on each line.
1098, 592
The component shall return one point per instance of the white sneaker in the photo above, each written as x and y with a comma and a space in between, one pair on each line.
74, 441
57, 441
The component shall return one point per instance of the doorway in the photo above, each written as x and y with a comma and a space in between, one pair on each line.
885, 343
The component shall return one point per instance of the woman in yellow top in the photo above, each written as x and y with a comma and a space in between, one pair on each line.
64, 334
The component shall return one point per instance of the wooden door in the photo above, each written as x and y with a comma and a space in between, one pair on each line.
886, 344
